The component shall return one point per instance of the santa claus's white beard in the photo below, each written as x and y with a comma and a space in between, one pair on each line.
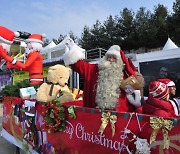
108, 85
34, 47
27, 51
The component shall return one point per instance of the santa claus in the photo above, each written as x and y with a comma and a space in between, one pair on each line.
6, 39
33, 63
101, 81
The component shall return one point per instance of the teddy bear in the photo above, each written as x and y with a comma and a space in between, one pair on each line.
56, 85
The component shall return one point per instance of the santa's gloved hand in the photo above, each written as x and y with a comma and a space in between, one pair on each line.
129, 90
11, 66
4, 55
72, 46
69, 43
73, 52
136, 99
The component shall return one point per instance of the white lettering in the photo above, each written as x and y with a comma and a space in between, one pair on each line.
97, 139
69, 129
118, 145
79, 131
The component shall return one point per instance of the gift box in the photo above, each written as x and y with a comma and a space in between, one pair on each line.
28, 93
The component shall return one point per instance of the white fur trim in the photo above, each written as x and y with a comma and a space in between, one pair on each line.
17, 34
36, 79
43, 35
171, 83
73, 53
5, 41
114, 50
33, 40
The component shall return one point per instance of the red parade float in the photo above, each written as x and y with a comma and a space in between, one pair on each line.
86, 130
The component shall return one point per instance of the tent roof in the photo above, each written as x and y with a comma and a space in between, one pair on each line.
61, 45
49, 46
169, 45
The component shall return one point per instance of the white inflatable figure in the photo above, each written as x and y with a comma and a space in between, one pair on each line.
133, 96
142, 146
71, 51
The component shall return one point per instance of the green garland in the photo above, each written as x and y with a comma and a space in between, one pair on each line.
14, 90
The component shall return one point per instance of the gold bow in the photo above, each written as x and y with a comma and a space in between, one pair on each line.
165, 125
106, 117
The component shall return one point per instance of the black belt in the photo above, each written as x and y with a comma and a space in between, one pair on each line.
36, 74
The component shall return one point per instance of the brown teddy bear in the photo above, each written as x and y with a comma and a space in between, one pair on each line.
56, 85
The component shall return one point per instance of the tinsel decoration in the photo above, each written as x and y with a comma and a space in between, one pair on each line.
53, 117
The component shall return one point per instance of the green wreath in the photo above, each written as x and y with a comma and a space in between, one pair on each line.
53, 116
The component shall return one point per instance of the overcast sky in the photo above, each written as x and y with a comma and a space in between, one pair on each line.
55, 17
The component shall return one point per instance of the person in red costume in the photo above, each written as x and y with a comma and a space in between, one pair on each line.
101, 81
158, 103
6, 39
33, 64
172, 92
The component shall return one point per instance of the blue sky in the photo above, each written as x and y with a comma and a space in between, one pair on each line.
55, 17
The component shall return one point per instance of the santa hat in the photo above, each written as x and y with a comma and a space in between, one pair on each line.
167, 81
116, 50
7, 35
132, 65
36, 38
158, 89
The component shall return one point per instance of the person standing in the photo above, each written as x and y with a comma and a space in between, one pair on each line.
158, 103
172, 92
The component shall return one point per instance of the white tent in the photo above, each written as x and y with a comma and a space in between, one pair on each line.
169, 45
61, 46
56, 52
48, 47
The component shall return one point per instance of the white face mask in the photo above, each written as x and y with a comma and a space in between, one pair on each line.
28, 49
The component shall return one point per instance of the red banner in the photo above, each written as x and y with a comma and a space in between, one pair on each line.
83, 134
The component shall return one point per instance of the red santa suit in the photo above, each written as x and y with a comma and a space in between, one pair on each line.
90, 74
6, 39
33, 64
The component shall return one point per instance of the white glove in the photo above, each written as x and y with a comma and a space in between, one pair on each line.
73, 52
136, 101
69, 44
73, 46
